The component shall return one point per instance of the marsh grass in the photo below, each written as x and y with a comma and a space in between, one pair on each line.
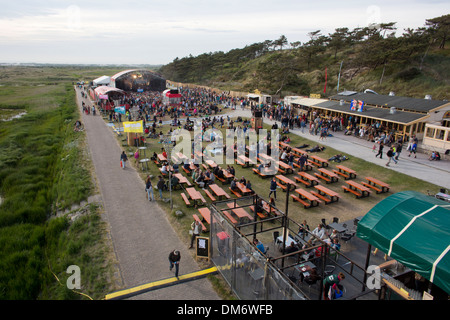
43, 168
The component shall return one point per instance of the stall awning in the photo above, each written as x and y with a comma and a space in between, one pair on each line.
413, 229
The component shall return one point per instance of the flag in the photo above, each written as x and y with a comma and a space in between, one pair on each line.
353, 105
325, 88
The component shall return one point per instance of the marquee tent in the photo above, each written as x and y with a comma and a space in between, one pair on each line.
104, 80
413, 229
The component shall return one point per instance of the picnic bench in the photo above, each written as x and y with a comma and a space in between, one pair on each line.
218, 191
206, 214
230, 217
209, 194
284, 181
284, 168
318, 161
239, 211
200, 221
307, 179
357, 189
345, 172
306, 198
195, 196
377, 185
325, 194
327, 176
186, 200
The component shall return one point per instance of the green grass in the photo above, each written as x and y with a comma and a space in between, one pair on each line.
43, 168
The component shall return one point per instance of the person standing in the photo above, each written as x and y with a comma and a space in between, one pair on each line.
174, 260
332, 281
149, 189
195, 227
123, 159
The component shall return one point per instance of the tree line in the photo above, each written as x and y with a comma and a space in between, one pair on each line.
278, 65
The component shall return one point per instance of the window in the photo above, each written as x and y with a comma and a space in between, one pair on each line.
430, 132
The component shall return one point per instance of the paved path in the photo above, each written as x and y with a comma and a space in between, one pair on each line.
437, 172
141, 234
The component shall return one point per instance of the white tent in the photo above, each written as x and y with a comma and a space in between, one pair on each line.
104, 80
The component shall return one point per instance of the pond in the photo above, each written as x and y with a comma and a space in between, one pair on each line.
11, 114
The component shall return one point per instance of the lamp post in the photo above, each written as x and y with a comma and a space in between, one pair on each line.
168, 146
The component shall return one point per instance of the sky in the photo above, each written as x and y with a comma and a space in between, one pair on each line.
156, 32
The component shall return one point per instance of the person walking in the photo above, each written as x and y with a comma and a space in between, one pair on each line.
273, 188
380, 151
123, 159
149, 189
195, 227
174, 260
413, 149
389, 154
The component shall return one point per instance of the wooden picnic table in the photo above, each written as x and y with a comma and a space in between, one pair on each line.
195, 196
299, 152
240, 212
246, 161
265, 157
182, 179
322, 162
309, 197
206, 214
347, 173
357, 189
377, 185
330, 176
211, 163
329, 194
218, 191
307, 179
285, 181
286, 167
161, 158
244, 190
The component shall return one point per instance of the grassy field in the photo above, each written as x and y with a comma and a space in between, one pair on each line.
44, 167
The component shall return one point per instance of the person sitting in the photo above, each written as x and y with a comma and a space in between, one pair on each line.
233, 185
243, 180
175, 182
164, 169
260, 167
248, 185
259, 245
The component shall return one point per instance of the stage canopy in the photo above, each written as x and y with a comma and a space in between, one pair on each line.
413, 229
138, 80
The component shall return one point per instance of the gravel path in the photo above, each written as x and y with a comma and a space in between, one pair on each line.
141, 234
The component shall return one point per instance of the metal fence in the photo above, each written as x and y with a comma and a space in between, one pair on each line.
250, 274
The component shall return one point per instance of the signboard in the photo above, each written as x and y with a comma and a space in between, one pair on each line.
140, 90
202, 247
120, 109
133, 126
314, 96
103, 96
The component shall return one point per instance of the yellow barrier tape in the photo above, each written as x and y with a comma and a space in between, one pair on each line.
159, 283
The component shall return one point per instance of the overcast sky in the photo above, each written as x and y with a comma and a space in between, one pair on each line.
156, 32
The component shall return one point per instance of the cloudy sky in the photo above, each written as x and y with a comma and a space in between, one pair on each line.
156, 32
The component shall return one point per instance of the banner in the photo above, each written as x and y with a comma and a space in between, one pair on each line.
356, 105
133, 126
120, 109
103, 96
360, 106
